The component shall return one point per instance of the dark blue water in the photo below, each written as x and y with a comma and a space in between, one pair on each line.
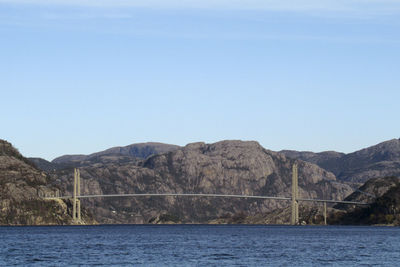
199, 245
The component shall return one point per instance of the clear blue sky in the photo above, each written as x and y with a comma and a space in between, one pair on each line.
78, 77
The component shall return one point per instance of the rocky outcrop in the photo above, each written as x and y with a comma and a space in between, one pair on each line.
384, 196
376, 161
370, 191
21, 188
227, 167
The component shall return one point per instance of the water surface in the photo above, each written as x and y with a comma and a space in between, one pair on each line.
199, 245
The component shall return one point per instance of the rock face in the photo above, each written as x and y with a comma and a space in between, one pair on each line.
377, 161
384, 196
371, 190
308, 215
21, 184
227, 167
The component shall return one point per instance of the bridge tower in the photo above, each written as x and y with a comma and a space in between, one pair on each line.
76, 203
295, 195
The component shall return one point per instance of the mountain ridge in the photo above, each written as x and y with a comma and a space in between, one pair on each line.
139, 150
380, 160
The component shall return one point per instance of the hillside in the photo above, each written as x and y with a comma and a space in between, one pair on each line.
371, 190
381, 160
327, 159
141, 151
21, 184
227, 167
44, 165
384, 196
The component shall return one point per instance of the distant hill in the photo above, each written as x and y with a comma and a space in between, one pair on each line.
141, 151
43, 164
126, 154
21, 185
376, 161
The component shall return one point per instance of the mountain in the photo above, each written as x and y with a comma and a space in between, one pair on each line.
384, 196
370, 191
44, 165
21, 188
327, 160
376, 161
132, 154
226, 167
141, 150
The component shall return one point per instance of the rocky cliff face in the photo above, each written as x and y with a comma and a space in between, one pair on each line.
227, 167
376, 161
370, 191
21, 184
384, 196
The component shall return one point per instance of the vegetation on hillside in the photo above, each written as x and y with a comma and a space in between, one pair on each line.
385, 209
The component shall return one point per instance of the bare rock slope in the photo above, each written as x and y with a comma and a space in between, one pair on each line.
377, 161
384, 196
21, 184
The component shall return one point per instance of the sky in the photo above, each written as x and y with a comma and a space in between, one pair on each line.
77, 77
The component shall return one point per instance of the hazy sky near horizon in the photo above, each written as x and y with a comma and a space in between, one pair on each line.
78, 77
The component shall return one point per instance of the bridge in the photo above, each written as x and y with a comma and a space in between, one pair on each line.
295, 199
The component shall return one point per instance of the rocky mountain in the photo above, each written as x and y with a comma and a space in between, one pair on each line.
132, 154
44, 165
370, 191
21, 188
327, 160
384, 196
227, 167
376, 161
141, 151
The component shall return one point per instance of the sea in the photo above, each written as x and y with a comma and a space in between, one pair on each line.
199, 245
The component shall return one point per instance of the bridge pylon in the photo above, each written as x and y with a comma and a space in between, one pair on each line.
295, 195
76, 203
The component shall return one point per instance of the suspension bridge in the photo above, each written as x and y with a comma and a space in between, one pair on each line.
294, 198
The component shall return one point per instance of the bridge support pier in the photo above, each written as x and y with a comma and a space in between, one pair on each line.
325, 213
76, 203
295, 196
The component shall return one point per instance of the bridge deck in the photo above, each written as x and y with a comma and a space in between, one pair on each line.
211, 195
